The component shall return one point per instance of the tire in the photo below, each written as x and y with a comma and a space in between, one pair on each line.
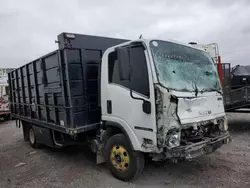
32, 138
124, 164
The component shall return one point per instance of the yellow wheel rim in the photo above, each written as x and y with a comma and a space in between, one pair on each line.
119, 158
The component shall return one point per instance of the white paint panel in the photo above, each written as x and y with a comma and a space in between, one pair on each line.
128, 111
200, 109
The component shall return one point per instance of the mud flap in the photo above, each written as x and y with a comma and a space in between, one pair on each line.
99, 157
25, 133
43, 136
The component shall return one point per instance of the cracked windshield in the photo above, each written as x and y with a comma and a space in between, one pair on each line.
183, 68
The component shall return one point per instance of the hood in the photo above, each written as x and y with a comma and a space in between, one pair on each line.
206, 106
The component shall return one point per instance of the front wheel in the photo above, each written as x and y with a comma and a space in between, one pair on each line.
123, 162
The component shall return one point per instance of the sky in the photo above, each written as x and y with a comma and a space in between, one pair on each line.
29, 28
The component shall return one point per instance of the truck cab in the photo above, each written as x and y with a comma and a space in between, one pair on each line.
166, 96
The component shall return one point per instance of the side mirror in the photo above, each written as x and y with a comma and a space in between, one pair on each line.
146, 107
124, 63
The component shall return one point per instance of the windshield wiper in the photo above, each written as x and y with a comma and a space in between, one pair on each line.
195, 88
212, 89
185, 90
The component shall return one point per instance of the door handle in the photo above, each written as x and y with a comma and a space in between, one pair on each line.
109, 106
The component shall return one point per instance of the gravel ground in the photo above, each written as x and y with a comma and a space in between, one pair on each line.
23, 167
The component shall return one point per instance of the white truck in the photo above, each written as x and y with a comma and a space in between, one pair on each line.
4, 94
4, 103
126, 98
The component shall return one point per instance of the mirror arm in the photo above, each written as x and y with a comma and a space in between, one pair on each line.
144, 107
136, 98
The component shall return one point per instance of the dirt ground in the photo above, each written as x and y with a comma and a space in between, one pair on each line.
23, 167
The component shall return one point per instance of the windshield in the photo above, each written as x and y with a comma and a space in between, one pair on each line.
183, 68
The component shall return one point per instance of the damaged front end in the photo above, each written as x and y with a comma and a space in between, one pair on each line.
186, 131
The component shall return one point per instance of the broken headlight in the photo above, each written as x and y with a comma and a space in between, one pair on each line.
173, 139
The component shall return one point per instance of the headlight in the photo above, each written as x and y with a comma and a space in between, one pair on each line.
174, 139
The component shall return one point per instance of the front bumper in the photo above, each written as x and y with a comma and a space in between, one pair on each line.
197, 149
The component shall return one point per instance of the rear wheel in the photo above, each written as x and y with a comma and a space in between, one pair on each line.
32, 139
123, 162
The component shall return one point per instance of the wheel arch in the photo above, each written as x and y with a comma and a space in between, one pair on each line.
116, 128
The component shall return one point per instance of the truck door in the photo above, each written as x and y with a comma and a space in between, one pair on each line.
117, 104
